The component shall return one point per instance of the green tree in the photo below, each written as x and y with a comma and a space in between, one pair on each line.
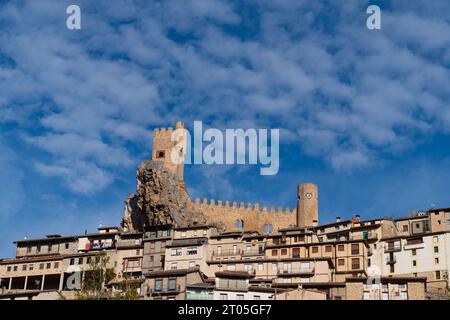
93, 285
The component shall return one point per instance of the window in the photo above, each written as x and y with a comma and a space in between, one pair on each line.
296, 252
355, 248
274, 267
391, 268
49, 265
66, 246
369, 263
138, 252
31, 267
24, 267
341, 247
80, 261
56, 265
248, 267
436, 260
176, 252
38, 249
438, 275
355, 264
248, 248
268, 228
414, 263
49, 248
239, 224
8, 269
223, 296
328, 248
436, 249
413, 252
405, 228
315, 249
28, 249
191, 264
234, 249
152, 245
174, 266
415, 275
183, 234
158, 285
133, 263
341, 262
195, 233
160, 154
163, 244
231, 267
15, 268
191, 251
239, 297
88, 260
172, 284
260, 267
41, 266
274, 253
283, 252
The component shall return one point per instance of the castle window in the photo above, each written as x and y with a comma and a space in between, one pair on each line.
239, 224
160, 154
268, 228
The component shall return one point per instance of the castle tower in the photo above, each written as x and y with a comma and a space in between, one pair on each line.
307, 205
166, 143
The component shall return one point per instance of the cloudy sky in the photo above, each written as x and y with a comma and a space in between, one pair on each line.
363, 113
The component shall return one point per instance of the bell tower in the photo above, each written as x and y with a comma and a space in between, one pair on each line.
307, 205
169, 146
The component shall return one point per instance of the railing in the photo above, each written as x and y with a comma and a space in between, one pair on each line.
396, 247
198, 296
295, 271
226, 253
165, 290
257, 252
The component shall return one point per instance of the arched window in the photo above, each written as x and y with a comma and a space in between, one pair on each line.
239, 224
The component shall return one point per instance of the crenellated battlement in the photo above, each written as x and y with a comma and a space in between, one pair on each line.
163, 132
240, 206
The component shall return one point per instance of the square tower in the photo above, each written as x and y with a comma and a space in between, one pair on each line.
169, 146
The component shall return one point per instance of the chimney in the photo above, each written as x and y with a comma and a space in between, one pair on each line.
338, 219
315, 223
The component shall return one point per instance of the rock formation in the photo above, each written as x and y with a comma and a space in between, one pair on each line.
161, 198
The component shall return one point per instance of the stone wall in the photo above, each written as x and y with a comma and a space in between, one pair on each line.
253, 217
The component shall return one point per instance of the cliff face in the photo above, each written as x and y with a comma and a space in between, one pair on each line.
160, 199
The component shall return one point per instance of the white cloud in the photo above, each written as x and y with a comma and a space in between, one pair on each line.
347, 95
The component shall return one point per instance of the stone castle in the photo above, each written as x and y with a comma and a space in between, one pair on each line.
230, 215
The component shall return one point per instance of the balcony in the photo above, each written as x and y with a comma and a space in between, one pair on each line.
295, 272
226, 253
165, 290
393, 248
250, 253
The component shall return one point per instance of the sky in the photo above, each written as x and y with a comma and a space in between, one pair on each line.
362, 113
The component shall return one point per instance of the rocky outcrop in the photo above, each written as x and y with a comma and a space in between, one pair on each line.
161, 198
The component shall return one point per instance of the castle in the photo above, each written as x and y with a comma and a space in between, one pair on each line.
249, 217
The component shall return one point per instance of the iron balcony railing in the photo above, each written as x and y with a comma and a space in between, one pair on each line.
253, 252
165, 290
393, 248
226, 253
284, 272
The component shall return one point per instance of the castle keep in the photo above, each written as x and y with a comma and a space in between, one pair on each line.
237, 215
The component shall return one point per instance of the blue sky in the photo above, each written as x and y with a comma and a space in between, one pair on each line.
362, 113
